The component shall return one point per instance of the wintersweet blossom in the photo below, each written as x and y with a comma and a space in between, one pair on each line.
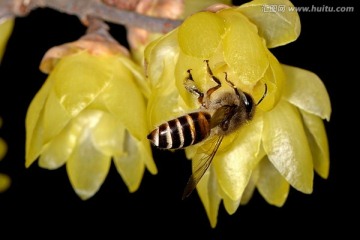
90, 111
286, 139
6, 27
139, 38
4, 179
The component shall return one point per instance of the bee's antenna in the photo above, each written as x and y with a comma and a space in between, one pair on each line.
262, 98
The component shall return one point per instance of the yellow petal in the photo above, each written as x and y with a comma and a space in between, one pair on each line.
122, 98
318, 142
271, 185
5, 182
6, 28
201, 34
250, 188
87, 167
109, 134
190, 151
53, 120
130, 155
277, 20
66, 92
234, 166
107, 138
208, 193
54, 117
130, 164
230, 205
274, 79
161, 106
286, 145
59, 149
138, 75
159, 56
305, 90
76, 87
244, 51
34, 124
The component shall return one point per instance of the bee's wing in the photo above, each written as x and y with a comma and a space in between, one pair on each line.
199, 168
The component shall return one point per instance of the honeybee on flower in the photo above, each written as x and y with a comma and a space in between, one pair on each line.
217, 118
284, 142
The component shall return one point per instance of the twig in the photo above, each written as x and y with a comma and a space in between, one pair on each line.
86, 8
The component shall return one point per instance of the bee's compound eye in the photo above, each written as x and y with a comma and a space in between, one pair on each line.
249, 103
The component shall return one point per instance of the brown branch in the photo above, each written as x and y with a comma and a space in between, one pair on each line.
86, 8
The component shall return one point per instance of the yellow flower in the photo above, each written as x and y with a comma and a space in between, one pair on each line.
282, 143
139, 38
90, 111
4, 179
6, 28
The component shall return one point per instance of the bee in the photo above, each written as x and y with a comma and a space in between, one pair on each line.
216, 117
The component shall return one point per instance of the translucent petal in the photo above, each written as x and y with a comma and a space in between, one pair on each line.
108, 135
287, 147
201, 34
61, 146
305, 90
55, 117
318, 142
59, 149
277, 20
130, 164
76, 87
6, 28
122, 95
274, 79
160, 55
87, 167
164, 102
244, 51
5, 182
250, 188
208, 193
234, 166
145, 148
191, 151
34, 122
137, 72
163, 107
271, 185
230, 205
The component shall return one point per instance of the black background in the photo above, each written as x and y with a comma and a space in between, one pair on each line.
40, 200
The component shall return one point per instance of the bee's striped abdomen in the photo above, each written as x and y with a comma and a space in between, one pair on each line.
182, 132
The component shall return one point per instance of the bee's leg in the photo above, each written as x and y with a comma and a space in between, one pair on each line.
238, 92
215, 79
191, 87
232, 85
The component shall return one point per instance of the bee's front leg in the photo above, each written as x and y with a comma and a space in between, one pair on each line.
190, 85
